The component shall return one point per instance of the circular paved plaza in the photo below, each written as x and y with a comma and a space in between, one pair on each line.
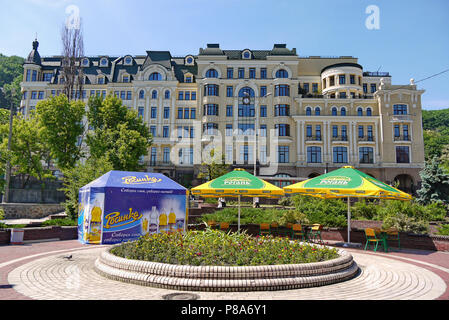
380, 278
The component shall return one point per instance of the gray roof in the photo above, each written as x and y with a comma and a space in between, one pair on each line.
34, 56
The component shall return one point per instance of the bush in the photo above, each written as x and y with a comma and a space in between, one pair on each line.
443, 230
404, 223
364, 209
217, 248
60, 222
247, 215
328, 212
285, 202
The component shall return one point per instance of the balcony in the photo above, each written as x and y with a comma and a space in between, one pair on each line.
340, 138
402, 138
366, 139
313, 138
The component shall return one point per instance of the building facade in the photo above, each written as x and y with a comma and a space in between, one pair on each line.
272, 112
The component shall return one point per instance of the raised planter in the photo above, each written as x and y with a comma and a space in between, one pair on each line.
220, 278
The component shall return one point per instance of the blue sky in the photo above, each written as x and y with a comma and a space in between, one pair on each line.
412, 41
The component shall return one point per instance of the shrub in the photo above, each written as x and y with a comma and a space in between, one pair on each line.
60, 222
443, 230
328, 212
364, 209
213, 247
285, 202
404, 223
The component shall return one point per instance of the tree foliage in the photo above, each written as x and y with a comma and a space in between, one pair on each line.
434, 185
11, 74
214, 167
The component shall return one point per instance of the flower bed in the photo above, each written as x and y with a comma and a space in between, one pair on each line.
216, 248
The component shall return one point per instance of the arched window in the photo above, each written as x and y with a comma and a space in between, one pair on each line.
154, 94
343, 111
334, 111
308, 111
211, 73
281, 73
246, 91
360, 112
155, 76
368, 112
141, 94
167, 94
317, 111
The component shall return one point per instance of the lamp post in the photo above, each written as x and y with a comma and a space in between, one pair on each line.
8, 164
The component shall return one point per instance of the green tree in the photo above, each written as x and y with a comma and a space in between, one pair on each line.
117, 133
79, 175
11, 74
213, 168
61, 123
434, 185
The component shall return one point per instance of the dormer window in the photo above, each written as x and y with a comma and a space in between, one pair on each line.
103, 62
188, 78
100, 80
246, 54
155, 76
126, 78
128, 60
85, 62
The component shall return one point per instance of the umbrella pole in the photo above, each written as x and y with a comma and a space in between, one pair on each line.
239, 216
349, 220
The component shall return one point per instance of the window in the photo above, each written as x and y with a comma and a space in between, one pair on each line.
246, 153
246, 110
305, 87
334, 111
281, 110
153, 156
229, 130
342, 95
397, 131
365, 88
128, 60
167, 94
263, 111
340, 155
317, 111
166, 155
246, 128
334, 131
282, 90
361, 131
103, 62
246, 55
153, 112
263, 130
241, 73
100, 80
252, 73
154, 94
230, 73
211, 90
344, 132
211, 73
140, 112
368, 112
263, 91
283, 154
308, 111
402, 154
341, 79
399, 109
314, 87
331, 81
314, 154
141, 94
41, 95
352, 79
373, 87
155, 76
210, 128
309, 131
180, 113
47, 77
153, 130
181, 95
34, 76
281, 73
186, 113
125, 78
343, 111
229, 111
128, 95
122, 95
263, 154
263, 73
25, 94
359, 112
405, 132
166, 112
229, 91
187, 95
193, 95
28, 77
369, 133
210, 110
318, 132
366, 155
188, 79
283, 130
229, 153
193, 113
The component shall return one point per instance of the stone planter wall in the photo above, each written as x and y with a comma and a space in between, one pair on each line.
219, 278
30, 210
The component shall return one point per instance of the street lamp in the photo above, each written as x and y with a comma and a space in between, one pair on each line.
8, 164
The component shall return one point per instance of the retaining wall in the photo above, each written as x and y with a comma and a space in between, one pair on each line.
30, 210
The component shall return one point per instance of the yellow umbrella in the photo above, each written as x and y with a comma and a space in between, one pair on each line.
346, 182
235, 184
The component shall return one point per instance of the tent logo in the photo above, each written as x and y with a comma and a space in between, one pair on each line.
335, 181
114, 219
136, 180
237, 181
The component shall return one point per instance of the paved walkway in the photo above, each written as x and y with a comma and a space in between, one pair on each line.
41, 271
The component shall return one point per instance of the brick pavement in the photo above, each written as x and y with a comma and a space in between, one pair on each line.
39, 271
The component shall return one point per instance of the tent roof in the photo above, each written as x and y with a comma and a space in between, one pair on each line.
134, 180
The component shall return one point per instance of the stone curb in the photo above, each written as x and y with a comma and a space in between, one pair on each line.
219, 278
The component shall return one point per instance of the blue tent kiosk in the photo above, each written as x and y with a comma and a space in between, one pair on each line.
122, 206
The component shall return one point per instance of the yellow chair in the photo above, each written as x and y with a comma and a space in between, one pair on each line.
371, 238
297, 232
315, 232
212, 224
224, 226
393, 234
264, 229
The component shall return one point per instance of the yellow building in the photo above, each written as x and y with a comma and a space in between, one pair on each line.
270, 111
